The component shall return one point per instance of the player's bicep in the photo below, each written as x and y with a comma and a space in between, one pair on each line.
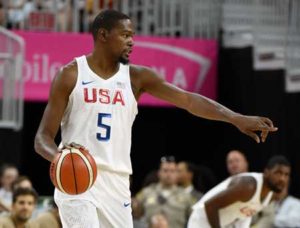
158, 87
241, 190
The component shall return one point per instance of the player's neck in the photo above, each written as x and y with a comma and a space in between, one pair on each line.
103, 62
264, 191
102, 65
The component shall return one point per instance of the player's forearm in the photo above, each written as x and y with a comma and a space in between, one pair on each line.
45, 146
209, 109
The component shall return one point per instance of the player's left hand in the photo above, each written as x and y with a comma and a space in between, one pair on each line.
74, 145
250, 125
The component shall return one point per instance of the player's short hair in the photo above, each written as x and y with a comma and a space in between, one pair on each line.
24, 192
107, 19
277, 160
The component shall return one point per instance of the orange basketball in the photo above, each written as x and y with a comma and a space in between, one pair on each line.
73, 171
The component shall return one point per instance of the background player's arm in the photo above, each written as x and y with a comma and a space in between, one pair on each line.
241, 189
61, 88
146, 80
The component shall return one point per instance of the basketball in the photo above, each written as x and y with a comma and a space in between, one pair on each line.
73, 171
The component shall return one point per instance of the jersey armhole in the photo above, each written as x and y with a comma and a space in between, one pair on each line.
131, 91
70, 99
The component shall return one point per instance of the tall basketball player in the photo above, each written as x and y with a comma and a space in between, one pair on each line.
233, 202
94, 99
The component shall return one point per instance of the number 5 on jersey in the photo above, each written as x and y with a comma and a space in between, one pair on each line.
106, 135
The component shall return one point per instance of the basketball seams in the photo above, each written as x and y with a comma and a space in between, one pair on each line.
74, 172
87, 163
64, 153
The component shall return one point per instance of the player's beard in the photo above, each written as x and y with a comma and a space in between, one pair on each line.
123, 60
274, 187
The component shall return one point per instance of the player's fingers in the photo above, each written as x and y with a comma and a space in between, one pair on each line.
66, 146
267, 121
76, 145
73, 144
264, 135
253, 135
265, 127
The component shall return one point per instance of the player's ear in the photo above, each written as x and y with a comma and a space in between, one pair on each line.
102, 34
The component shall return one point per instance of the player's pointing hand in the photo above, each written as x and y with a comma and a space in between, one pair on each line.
250, 125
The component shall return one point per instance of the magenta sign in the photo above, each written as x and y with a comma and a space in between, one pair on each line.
187, 63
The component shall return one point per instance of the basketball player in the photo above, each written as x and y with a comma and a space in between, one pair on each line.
234, 201
94, 99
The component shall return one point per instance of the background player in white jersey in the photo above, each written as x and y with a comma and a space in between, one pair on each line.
233, 202
95, 100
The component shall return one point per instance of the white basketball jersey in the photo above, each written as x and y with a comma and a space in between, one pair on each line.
237, 210
99, 116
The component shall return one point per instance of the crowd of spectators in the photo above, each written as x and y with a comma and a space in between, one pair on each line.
20, 204
49, 15
165, 199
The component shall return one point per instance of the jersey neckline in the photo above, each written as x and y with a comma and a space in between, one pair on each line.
96, 76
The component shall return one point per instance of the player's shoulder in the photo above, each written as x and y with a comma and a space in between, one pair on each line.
137, 70
67, 74
242, 187
66, 77
70, 68
245, 181
142, 76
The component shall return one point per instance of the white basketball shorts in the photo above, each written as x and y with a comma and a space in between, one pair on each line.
106, 205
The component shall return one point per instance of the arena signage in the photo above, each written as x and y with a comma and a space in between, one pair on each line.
187, 63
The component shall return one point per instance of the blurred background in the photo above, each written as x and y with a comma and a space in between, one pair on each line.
256, 44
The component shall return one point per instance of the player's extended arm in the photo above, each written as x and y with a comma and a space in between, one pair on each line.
61, 88
240, 189
148, 81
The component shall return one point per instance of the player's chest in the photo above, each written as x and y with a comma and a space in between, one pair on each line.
116, 94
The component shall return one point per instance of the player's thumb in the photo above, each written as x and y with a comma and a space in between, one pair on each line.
253, 135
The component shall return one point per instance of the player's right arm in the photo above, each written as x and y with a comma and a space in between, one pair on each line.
146, 80
61, 88
240, 189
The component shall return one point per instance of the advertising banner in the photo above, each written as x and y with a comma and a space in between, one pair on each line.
187, 63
